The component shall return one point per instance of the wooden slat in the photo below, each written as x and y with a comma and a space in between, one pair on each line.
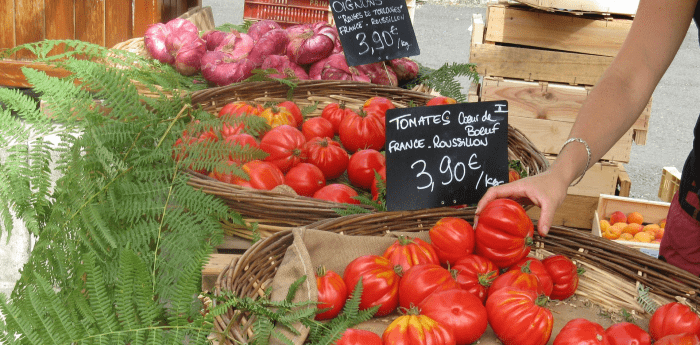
89, 21
7, 23
146, 12
546, 30
537, 64
60, 21
601, 178
576, 211
29, 25
211, 271
118, 22
11, 73
624, 182
626, 7
548, 136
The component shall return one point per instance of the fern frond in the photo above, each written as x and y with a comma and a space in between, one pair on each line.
645, 300
443, 80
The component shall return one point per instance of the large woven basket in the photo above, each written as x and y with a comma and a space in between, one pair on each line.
614, 274
274, 211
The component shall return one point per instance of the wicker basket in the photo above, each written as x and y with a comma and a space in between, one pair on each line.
613, 272
275, 212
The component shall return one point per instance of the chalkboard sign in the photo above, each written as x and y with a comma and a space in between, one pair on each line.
374, 30
445, 155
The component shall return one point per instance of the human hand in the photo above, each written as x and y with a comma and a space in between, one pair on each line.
545, 190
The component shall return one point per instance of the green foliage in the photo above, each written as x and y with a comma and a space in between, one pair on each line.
645, 300
517, 165
443, 80
120, 237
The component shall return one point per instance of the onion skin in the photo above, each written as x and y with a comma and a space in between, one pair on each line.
258, 29
189, 57
405, 68
311, 43
379, 73
274, 42
221, 69
285, 67
214, 38
335, 67
154, 41
237, 45
182, 31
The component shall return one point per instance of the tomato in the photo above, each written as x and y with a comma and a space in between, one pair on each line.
452, 238
522, 279
458, 310
441, 100
504, 232
242, 140
353, 336
581, 332
337, 192
276, 116
236, 109
412, 329
335, 113
328, 156
537, 268
305, 179
679, 339
513, 175
475, 274
377, 106
419, 281
263, 175
519, 317
375, 189
360, 131
293, 108
362, 165
564, 276
285, 146
317, 127
223, 177
673, 318
380, 282
407, 252
332, 293
627, 333
229, 129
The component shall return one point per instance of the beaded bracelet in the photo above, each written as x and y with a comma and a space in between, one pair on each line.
588, 151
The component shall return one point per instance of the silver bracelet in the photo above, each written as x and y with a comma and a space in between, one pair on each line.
588, 151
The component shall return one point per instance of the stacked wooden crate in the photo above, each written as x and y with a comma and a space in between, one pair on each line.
544, 61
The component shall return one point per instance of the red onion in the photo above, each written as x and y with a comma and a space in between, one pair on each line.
154, 41
222, 69
285, 67
236, 44
338, 47
214, 38
274, 42
335, 67
188, 58
260, 28
405, 68
182, 31
380, 73
308, 44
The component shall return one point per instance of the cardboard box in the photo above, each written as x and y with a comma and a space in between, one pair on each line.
652, 211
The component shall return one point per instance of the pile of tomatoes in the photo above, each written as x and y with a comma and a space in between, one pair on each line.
274, 144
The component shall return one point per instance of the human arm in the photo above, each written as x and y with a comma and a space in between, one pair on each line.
612, 107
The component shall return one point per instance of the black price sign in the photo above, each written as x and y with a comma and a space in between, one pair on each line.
374, 30
445, 155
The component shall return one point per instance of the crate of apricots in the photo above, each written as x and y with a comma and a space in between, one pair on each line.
633, 222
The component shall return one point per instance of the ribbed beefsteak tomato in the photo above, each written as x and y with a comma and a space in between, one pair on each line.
285, 146
679, 339
627, 333
581, 332
519, 317
263, 175
522, 279
305, 179
332, 293
412, 329
362, 131
673, 318
458, 310
564, 275
328, 156
317, 127
380, 282
362, 166
504, 232
335, 113
337, 192
353, 336
294, 109
475, 274
419, 281
408, 252
537, 268
452, 238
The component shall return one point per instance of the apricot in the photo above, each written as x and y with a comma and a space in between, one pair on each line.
613, 233
604, 226
625, 236
632, 228
643, 237
662, 223
618, 217
635, 217
659, 233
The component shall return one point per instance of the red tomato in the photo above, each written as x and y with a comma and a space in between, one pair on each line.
229, 129
285, 146
441, 100
513, 175
360, 131
337, 192
519, 317
380, 282
332, 293
564, 276
452, 238
236, 109
419, 281
673, 318
305, 179
328, 156
627, 333
377, 106
537, 268
293, 108
362, 166
407, 252
263, 175
679, 339
504, 232
581, 332
276, 116
317, 127
458, 310
374, 188
475, 274
353, 336
413, 329
223, 177
522, 279
242, 140
335, 113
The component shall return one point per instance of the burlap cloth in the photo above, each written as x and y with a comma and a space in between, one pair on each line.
312, 248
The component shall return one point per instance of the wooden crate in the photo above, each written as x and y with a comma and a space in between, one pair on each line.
652, 211
622, 7
581, 202
213, 267
670, 183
